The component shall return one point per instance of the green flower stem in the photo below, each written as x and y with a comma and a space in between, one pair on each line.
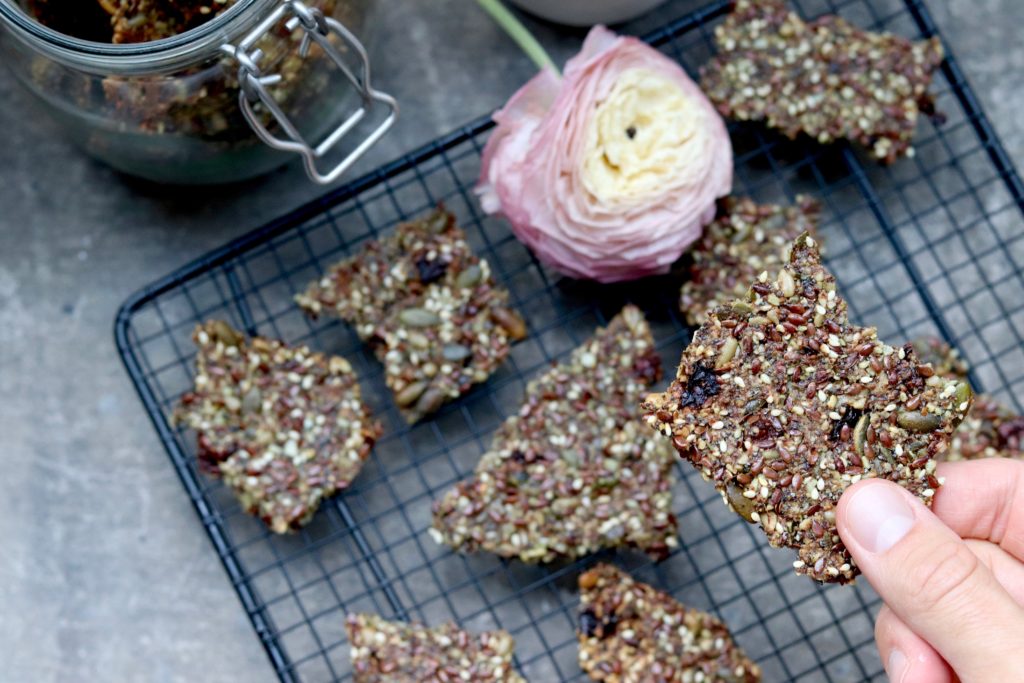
519, 33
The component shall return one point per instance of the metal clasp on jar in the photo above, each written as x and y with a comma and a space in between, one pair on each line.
317, 28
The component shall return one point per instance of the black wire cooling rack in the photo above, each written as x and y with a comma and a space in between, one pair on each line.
930, 245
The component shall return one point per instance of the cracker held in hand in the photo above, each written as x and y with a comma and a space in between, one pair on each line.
745, 240
573, 472
783, 404
825, 78
284, 427
630, 632
429, 308
396, 652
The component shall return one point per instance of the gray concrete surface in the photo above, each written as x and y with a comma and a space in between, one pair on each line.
105, 572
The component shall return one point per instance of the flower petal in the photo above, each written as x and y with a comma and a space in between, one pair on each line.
654, 192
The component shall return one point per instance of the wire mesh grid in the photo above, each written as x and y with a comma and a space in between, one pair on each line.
930, 245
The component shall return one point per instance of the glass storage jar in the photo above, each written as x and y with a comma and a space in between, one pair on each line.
222, 102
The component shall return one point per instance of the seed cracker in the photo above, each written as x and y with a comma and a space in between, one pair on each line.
396, 652
745, 239
825, 78
572, 472
429, 308
283, 426
629, 632
783, 404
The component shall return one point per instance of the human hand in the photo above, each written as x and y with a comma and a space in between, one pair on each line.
952, 577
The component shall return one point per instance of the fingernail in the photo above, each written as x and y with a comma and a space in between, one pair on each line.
896, 667
879, 516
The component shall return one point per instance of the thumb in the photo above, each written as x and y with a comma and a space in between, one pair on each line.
930, 578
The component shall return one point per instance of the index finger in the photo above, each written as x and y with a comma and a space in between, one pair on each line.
984, 499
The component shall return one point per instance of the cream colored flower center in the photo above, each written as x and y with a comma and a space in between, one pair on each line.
640, 138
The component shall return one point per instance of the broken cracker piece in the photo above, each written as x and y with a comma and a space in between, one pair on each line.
572, 472
990, 430
744, 240
396, 652
783, 404
629, 632
825, 78
284, 427
427, 306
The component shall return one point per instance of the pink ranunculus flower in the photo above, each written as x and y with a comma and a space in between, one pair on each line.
610, 172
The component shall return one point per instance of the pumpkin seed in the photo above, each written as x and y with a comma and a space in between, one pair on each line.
437, 222
511, 321
916, 422
410, 393
963, 392
252, 402
469, 277
860, 434
742, 505
430, 401
418, 340
728, 351
786, 283
742, 307
223, 332
419, 317
456, 352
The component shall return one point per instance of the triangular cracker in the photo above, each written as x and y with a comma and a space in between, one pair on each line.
572, 472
